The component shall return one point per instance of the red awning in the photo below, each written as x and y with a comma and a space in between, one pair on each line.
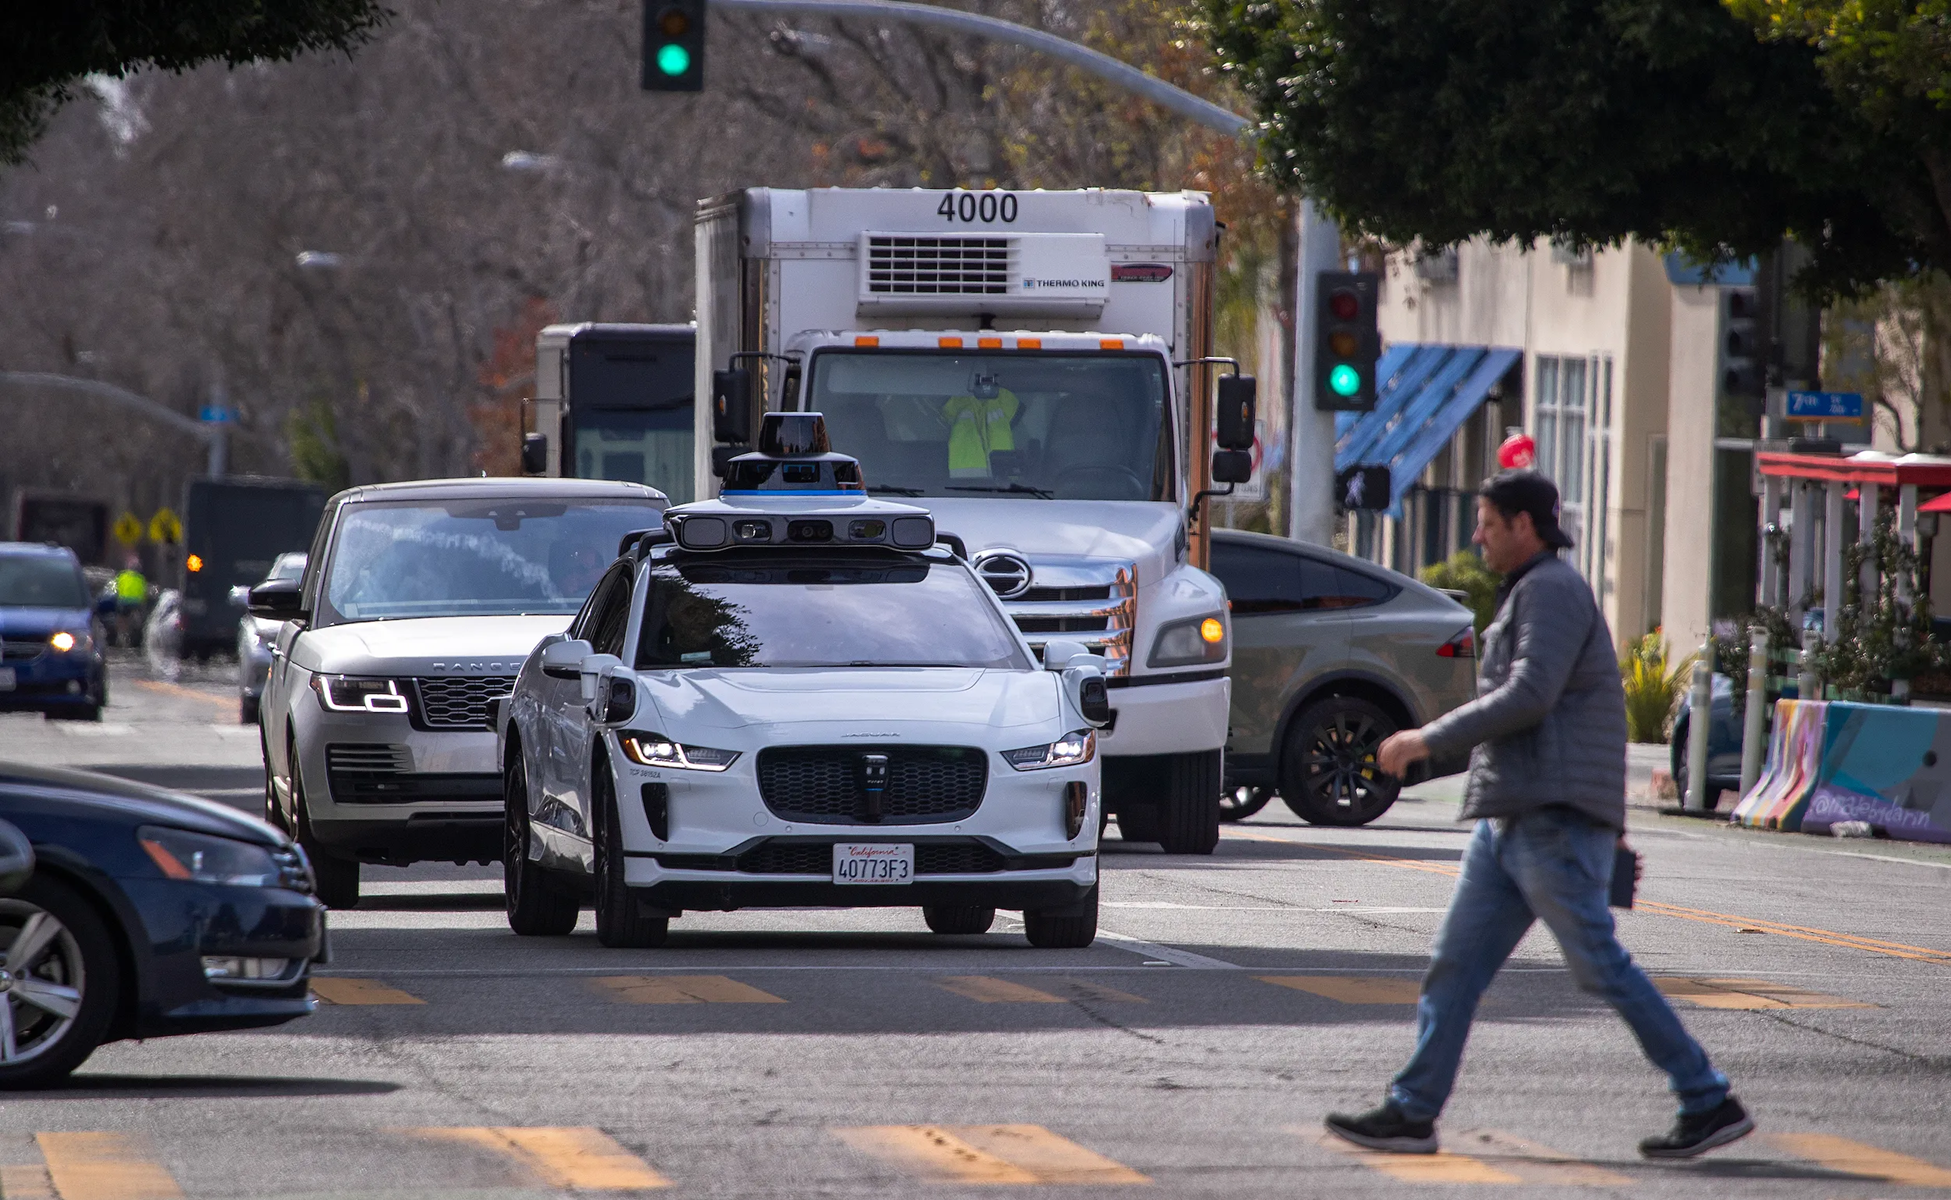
1939, 504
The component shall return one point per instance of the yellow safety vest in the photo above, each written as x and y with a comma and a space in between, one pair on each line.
131, 587
978, 428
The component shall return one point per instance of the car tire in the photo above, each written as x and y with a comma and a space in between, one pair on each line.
247, 710
1071, 927
76, 954
539, 903
958, 918
1138, 824
1677, 759
1237, 804
336, 878
618, 923
1328, 774
1188, 821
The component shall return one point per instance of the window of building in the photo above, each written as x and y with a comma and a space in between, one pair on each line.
1572, 424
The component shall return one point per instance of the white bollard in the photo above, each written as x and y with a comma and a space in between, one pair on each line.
1700, 726
1754, 726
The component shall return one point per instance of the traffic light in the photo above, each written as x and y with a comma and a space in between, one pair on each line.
674, 45
1741, 365
1346, 341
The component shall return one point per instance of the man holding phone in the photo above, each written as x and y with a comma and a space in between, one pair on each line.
1547, 789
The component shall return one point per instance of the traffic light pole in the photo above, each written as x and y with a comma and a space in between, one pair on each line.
212, 434
1311, 457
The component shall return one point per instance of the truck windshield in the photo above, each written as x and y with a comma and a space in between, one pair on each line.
486, 557
1054, 425
650, 446
798, 612
40, 581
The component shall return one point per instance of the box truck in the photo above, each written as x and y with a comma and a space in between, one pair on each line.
613, 401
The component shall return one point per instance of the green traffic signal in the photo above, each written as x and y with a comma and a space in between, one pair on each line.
1345, 380
673, 59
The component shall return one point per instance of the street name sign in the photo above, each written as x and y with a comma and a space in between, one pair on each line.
1825, 406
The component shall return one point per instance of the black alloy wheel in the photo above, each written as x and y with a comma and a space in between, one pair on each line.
336, 878
1239, 803
59, 978
618, 923
539, 903
1329, 774
958, 918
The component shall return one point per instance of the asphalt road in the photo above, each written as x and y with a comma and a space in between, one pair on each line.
1229, 1003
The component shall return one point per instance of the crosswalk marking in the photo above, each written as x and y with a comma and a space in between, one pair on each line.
680, 989
990, 990
575, 1156
1352, 989
105, 1166
987, 1154
1856, 1158
26, 1182
1747, 994
1440, 1167
1534, 1163
341, 990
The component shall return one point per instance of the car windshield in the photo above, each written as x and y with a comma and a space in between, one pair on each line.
787, 612
40, 581
1051, 425
288, 567
487, 557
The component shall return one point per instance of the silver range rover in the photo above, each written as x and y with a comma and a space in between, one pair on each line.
417, 606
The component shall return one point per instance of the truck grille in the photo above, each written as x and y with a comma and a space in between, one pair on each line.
1090, 604
460, 701
822, 784
937, 266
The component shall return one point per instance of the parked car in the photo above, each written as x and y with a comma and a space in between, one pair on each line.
134, 912
1723, 742
51, 635
256, 635
1331, 654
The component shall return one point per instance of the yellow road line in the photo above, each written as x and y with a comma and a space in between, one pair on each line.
105, 1166
574, 1156
1857, 1158
1084, 989
680, 989
987, 1154
1352, 989
340, 990
177, 689
28, 1181
1440, 1167
1534, 1163
996, 991
1751, 994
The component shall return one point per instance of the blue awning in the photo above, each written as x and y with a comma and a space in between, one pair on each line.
1426, 394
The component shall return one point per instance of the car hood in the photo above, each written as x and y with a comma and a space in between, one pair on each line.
39, 622
426, 645
140, 803
866, 699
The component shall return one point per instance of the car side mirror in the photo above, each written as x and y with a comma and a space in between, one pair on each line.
1057, 654
276, 600
1232, 466
591, 672
16, 859
616, 697
731, 405
564, 659
535, 453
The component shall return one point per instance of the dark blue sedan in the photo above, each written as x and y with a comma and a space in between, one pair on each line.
141, 913
51, 635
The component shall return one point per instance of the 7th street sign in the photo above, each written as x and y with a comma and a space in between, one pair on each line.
1825, 406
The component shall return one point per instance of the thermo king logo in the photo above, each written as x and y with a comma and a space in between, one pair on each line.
1033, 284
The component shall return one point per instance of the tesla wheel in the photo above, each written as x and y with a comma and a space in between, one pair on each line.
1237, 804
958, 918
618, 923
1071, 927
337, 878
1329, 775
539, 904
58, 984
1188, 821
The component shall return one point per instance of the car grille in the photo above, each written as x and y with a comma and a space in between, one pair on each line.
378, 774
292, 871
20, 649
822, 784
365, 759
459, 701
801, 858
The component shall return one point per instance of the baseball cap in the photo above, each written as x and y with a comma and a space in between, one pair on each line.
1526, 491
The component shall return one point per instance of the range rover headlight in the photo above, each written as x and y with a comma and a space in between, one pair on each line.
656, 750
354, 693
1070, 750
1185, 643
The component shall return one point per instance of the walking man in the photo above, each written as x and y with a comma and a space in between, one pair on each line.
1547, 789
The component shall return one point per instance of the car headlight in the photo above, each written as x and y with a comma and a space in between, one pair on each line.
65, 642
1184, 643
656, 750
352, 693
204, 859
1067, 751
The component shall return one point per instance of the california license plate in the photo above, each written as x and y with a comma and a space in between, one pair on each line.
6, 679
874, 863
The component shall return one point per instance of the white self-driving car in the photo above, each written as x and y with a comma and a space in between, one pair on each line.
793, 696
417, 606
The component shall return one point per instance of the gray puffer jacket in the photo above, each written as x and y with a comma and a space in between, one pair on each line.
1548, 726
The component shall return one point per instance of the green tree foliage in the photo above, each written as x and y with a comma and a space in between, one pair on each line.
1466, 573
1585, 120
1653, 683
46, 50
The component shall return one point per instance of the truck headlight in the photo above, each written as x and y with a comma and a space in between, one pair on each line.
201, 858
656, 750
1185, 643
1069, 750
352, 693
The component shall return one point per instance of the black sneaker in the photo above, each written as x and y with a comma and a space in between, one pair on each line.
1385, 1128
1697, 1133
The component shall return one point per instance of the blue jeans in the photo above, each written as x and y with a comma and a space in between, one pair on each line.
1556, 865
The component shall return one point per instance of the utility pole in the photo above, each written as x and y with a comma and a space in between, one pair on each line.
1311, 456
